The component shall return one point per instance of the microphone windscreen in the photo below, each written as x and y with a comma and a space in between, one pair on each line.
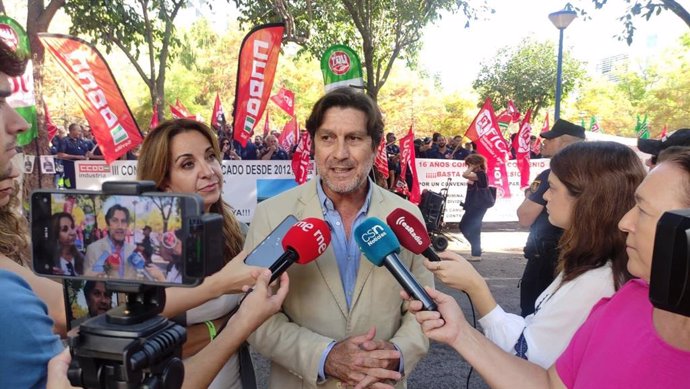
409, 230
376, 240
309, 238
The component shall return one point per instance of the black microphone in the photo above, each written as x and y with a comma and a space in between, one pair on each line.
411, 233
378, 243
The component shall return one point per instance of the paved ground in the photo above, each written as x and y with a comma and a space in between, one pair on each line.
502, 264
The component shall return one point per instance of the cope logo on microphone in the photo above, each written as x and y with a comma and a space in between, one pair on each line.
373, 235
401, 222
317, 234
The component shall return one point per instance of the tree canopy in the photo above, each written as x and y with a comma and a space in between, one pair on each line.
526, 74
382, 31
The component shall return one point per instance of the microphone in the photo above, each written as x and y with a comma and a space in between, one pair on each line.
303, 243
378, 243
138, 262
412, 233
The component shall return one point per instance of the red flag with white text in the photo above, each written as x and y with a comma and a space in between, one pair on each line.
522, 148
285, 99
485, 133
408, 160
381, 161
288, 137
97, 92
258, 60
300, 159
664, 133
218, 115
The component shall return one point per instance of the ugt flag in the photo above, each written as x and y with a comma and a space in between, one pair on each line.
408, 160
22, 97
99, 96
218, 116
258, 60
285, 99
341, 67
300, 159
381, 161
522, 148
492, 145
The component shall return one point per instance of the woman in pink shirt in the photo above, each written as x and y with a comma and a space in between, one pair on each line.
625, 342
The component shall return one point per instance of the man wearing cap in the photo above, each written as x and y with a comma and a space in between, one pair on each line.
679, 137
541, 249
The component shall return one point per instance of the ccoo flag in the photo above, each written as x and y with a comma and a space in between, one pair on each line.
492, 145
22, 98
99, 96
258, 60
285, 99
340, 66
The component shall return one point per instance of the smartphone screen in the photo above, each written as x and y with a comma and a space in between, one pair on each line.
86, 299
96, 236
271, 247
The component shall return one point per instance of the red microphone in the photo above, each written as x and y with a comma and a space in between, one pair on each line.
411, 233
303, 243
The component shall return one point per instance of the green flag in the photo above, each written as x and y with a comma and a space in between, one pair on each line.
641, 128
594, 125
340, 66
22, 98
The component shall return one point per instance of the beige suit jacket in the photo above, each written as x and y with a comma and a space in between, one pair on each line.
315, 312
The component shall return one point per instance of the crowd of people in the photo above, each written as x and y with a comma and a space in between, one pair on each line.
341, 321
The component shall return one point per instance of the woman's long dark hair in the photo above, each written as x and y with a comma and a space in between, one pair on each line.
78, 257
602, 176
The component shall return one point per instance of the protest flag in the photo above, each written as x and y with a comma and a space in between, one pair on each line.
341, 67
594, 125
381, 161
485, 133
522, 148
641, 128
300, 159
408, 161
285, 99
51, 128
98, 94
154, 118
288, 137
258, 60
218, 115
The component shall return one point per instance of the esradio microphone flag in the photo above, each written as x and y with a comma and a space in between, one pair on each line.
258, 60
98, 94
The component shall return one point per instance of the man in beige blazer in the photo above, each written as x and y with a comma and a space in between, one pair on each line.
343, 322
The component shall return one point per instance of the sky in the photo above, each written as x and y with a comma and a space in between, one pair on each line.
455, 52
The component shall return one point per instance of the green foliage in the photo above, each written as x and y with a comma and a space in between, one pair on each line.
610, 104
526, 74
381, 31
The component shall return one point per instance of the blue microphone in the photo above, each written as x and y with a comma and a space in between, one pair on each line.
381, 247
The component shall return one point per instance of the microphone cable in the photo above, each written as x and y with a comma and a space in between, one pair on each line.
474, 324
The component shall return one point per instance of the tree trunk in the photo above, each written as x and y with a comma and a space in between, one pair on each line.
678, 10
38, 20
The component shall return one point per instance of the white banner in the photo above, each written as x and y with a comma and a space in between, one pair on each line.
246, 183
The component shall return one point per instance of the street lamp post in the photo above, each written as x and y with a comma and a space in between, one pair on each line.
561, 19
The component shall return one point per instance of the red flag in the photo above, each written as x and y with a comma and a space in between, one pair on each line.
218, 115
287, 138
504, 117
104, 107
663, 136
285, 99
154, 118
491, 144
182, 109
522, 148
514, 113
300, 159
407, 158
50, 126
381, 161
257, 66
267, 125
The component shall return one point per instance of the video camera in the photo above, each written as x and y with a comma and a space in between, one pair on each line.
138, 241
669, 284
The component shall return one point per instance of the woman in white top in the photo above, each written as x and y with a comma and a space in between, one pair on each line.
183, 156
592, 185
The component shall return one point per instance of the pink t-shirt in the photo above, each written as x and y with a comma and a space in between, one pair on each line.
618, 347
